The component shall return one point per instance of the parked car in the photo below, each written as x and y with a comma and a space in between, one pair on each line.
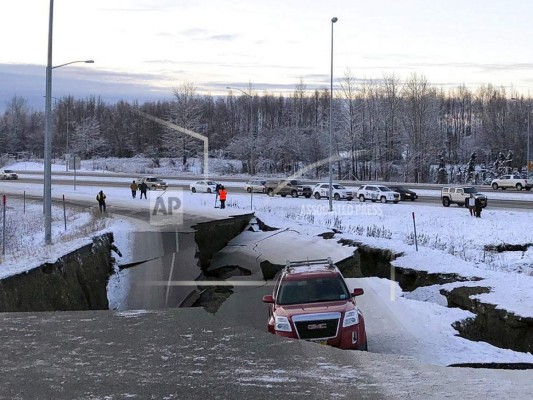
377, 193
285, 187
405, 194
153, 182
203, 187
311, 301
338, 191
459, 194
512, 181
255, 186
8, 174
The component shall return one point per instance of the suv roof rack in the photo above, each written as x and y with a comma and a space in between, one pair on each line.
306, 263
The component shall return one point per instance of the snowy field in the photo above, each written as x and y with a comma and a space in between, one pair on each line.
449, 240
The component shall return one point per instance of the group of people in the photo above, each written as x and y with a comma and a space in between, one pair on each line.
143, 187
221, 194
474, 206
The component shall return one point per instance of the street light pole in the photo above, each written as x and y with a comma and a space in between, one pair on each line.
330, 195
48, 137
251, 169
47, 193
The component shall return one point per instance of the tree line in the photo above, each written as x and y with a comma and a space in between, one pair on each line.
381, 129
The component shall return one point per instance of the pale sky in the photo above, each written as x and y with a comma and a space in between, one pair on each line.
143, 49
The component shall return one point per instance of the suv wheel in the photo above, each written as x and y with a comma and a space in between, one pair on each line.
361, 198
208, 190
193, 190
294, 194
383, 199
270, 192
336, 197
446, 201
249, 190
495, 186
518, 186
317, 195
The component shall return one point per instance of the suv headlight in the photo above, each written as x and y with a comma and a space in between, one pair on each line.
282, 324
350, 318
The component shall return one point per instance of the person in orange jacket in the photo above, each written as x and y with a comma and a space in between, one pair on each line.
222, 193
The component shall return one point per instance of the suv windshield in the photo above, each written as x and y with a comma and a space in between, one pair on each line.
312, 291
470, 190
384, 189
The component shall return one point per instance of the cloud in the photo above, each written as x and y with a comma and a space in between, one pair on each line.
29, 81
223, 37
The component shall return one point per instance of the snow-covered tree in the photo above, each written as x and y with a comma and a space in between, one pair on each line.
87, 140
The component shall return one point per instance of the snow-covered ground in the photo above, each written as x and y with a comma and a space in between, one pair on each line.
449, 240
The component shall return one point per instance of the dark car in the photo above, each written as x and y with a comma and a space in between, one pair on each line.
405, 194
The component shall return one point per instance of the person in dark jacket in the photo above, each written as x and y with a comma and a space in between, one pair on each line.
477, 208
100, 197
143, 188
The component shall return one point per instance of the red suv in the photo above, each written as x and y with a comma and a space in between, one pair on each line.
311, 301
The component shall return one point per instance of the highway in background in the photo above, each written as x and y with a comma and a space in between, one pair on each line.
428, 193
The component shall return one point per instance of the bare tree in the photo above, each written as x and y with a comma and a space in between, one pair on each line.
350, 128
419, 119
391, 111
185, 111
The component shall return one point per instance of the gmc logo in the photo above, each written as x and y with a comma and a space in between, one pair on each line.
313, 327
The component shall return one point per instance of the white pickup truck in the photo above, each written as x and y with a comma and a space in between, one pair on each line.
511, 181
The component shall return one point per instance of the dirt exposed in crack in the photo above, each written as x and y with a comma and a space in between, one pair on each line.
503, 247
491, 324
515, 366
212, 297
376, 262
498, 327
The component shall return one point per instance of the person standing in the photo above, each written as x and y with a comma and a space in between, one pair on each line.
222, 193
134, 188
471, 204
477, 208
100, 197
143, 187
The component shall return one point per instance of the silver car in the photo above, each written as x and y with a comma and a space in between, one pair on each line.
255, 186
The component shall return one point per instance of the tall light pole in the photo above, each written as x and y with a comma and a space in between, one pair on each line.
333, 20
252, 169
47, 195
48, 137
